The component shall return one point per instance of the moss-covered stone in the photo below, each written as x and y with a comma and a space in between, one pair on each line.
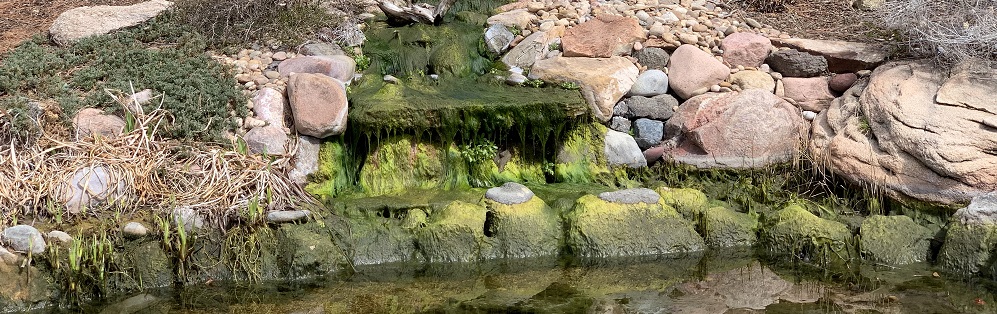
794, 229
529, 229
369, 239
456, 233
598, 228
400, 162
508, 166
968, 248
149, 264
895, 240
723, 227
581, 158
333, 175
307, 250
688, 202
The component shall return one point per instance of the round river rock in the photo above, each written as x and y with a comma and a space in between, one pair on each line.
631, 196
510, 193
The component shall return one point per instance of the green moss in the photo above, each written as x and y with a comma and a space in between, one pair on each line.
529, 229
723, 227
602, 229
369, 237
581, 157
335, 171
515, 168
456, 233
968, 249
307, 250
895, 240
400, 162
689, 202
794, 230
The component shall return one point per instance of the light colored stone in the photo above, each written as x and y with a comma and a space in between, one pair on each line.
318, 104
631, 196
83, 22
520, 18
650, 83
692, 71
810, 93
498, 37
745, 49
305, 161
23, 239
339, 67
89, 187
189, 218
510, 193
92, 122
531, 49
753, 80
269, 105
287, 216
269, 139
603, 81
135, 229
622, 149
57, 236
604, 36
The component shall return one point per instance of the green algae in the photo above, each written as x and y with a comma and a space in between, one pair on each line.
968, 249
530, 229
598, 228
895, 240
336, 172
306, 250
688, 202
399, 163
722, 227
796, 230
581, 157
456, 233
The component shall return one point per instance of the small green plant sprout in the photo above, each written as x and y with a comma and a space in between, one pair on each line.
570, 86
534, 83
554, 46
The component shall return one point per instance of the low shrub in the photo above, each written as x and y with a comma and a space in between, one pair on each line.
950, 30
234, 22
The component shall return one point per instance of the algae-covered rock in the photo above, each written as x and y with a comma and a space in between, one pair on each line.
895, 240
598, 228
508, 166
581, 158
971, 237
527, 229
148, 265
688, 202
401, 162
723, 227
369, 240
456, 233
333, 174
795, 229
307, 250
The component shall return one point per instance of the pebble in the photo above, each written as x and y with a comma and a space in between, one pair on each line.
135, 230
59, 236
510, 193
715, 88
391, 79
279, 56
273, 75
809, 115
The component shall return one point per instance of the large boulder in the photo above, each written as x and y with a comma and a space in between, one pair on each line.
753, 80
745, 49
794, 63
794, 230
531, 49
811, 94
841, 56
522, 223
84, 22
456, 233
916, 131
267, 139
604, 36
270, 105
339, 67
745, 129
724, 227
630, 227
318, 103
692, 71
519, 18
603, 81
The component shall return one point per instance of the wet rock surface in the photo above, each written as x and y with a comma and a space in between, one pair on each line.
631, 196
510, 193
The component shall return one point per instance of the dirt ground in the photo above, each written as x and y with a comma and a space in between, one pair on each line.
819, 19
20, 19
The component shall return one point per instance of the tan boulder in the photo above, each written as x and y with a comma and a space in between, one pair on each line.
811, 93
339, 67
519, 18
318, 104
532, 48
748, 129
745, 49
604, 36
916, 131
603, 81
753, 80
692, 71
92, 122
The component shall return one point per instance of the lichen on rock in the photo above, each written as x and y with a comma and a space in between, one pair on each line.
456, 233
896, 240
688, 202
528, 229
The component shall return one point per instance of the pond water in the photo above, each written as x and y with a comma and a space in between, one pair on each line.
712, 282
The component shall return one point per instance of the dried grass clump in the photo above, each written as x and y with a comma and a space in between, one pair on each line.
951, 30
236, 22
159, 174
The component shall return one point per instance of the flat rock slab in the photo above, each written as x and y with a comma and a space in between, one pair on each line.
510, 193
604, 36
603, 81
841, 56
84, 22
24, 239
631, 196
287, 216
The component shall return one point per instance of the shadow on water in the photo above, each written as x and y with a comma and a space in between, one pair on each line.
716, 281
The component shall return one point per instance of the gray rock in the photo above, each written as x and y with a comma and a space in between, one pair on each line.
515, 79
83, 22
650, 83
652, 58
498, 37
287, 216
23, 239
620, 124
135, 229
305, 160
659, 107
135, 304
189, 218
981, 211
648, 132
622, 149
621, 109
631, 196
268, 139
89, 187
321, 49
794, 63
809, 115
510, 193
59, 236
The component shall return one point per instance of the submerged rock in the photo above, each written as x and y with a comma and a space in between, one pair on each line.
308, 251
895, 240
24, 239
510, 193
598, 228
525, 229
794, 228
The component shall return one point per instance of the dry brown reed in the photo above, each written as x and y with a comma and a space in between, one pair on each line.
159, 174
